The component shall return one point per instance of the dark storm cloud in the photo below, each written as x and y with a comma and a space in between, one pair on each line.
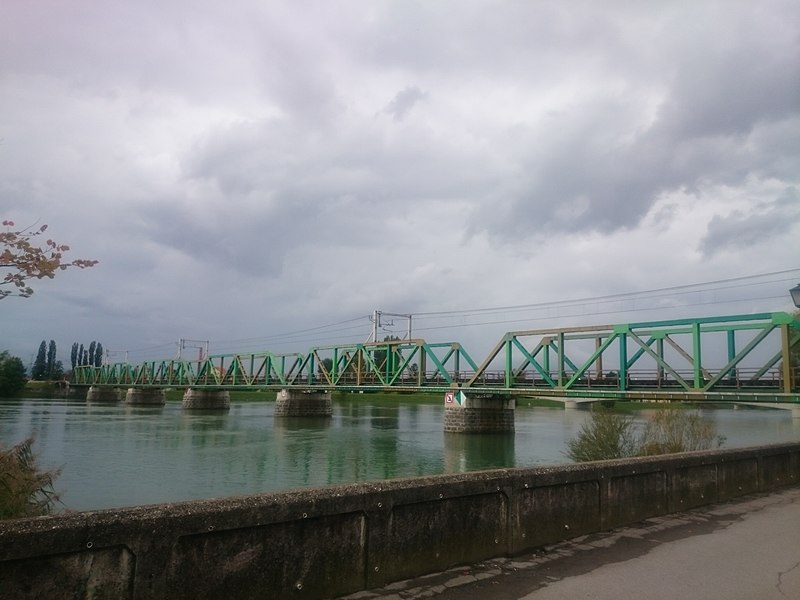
596, 168
743, 229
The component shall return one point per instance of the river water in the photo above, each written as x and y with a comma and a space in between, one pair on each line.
115, 455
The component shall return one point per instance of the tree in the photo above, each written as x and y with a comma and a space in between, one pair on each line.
98, 355
80, 356
326, 365
58, 371
12, 375
39, 369
26, 260
51, 359
73, 355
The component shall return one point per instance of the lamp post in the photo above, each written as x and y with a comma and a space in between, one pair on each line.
795, 292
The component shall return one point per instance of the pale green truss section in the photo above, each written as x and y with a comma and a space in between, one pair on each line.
750, 356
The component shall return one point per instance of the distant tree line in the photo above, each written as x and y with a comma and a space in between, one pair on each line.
46, 366
91, 356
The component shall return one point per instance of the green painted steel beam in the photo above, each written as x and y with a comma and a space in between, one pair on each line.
531, 359
391, 364
588, 362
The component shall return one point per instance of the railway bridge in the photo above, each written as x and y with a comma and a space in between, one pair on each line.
744, 359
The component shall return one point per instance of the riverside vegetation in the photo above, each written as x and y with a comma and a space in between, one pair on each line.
609, 434
26, 490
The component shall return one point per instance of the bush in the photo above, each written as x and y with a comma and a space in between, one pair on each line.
611, 435
606, 435
671, 431
25, 489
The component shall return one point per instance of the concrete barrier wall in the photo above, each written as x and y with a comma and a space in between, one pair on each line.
331, 541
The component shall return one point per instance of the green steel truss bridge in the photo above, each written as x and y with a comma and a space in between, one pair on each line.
727, 358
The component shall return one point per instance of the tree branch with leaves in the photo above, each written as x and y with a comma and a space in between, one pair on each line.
26, 259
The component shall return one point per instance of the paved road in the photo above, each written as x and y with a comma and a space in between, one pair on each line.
748, 550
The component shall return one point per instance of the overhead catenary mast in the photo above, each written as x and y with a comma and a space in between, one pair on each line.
378, 324
201, 345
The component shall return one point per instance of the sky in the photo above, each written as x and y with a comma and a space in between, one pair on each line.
264, 175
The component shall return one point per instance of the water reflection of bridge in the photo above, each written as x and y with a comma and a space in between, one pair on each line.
736, 358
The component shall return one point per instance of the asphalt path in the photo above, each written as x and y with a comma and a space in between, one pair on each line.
748, 550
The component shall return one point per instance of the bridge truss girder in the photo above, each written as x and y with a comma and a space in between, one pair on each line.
694, 357
545, 359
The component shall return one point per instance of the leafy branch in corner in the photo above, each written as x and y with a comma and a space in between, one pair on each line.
21, 252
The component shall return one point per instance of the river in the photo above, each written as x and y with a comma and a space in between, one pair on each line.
115, 455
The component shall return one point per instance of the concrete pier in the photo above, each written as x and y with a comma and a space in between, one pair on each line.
201, 399
102, 394
302, 403
478, 413
145, 397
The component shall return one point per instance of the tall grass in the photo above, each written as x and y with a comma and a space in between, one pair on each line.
26, 490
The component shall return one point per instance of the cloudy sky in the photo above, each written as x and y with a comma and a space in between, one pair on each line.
252, 168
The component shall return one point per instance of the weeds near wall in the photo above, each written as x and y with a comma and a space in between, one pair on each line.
609, 435
25, 489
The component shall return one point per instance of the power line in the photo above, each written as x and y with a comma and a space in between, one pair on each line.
308, 334
595, 299
292, 333
609, 312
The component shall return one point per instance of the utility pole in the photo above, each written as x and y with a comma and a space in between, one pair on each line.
377, 324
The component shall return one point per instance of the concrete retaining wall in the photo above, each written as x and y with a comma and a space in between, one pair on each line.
331, 541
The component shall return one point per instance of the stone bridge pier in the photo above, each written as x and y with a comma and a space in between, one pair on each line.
145, 396
203, 399
303, 403
102, 394
478, 413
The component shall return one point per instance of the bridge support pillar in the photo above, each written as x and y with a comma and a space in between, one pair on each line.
145, 397
478, 413
102, 394
302, 403
200, 399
